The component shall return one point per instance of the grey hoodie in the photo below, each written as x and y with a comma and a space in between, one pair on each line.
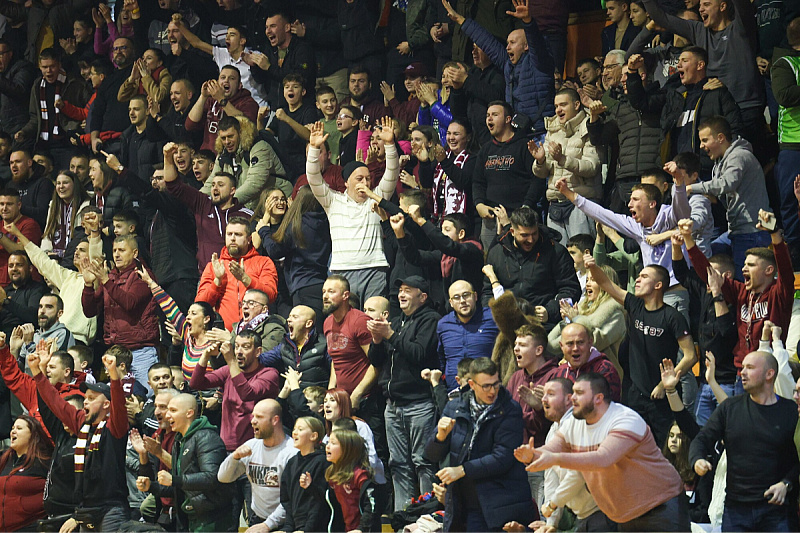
738, 180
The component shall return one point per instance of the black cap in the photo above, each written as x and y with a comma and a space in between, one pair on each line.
100, 387
418, 282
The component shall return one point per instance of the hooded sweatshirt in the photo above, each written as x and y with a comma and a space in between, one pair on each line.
737, 178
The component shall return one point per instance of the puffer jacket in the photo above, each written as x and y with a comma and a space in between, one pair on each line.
312, 360
128, 306
142, 152
638, 135
195, 487
257, 165
582, 164
542, 276
227, 296
529, 83
15, 84
58, 16
488, 460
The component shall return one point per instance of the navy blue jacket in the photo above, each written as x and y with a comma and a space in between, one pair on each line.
500, 480
458, 340
302, 266
529, 83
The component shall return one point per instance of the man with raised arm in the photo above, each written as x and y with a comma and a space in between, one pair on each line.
355, 229
102, 429
658, 332
762, 296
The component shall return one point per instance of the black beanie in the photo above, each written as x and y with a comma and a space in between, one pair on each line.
350, 167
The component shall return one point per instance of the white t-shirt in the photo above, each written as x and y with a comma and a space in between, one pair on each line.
222, 57
264, 468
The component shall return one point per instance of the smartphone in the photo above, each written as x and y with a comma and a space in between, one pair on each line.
769, 225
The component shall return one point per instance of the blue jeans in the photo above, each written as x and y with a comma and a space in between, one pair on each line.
706, 402
785, 170
672, 515
143, 359
755, 517
742, 242
408, 428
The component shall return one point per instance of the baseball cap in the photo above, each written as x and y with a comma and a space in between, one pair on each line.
418, 282
416, 70
100, 387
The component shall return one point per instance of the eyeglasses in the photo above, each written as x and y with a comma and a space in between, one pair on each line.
252, 303
489, 386
462, 296
343, 115
613, 65
120, 48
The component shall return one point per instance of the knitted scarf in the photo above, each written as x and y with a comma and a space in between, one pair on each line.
446, 198
83, 438
49, 128
253, 323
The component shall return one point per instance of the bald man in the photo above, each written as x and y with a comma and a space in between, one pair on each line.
377, 308
302, 349
263, 459
758, 429
581, 357
192, 480
467, 331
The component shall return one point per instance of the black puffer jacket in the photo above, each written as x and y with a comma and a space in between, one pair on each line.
637, 134
59, 491
141, 152
542, 276
116, 199
15, 90
403, 357
195, 488
312, 361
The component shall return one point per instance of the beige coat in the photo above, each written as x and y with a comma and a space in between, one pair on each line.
581, 165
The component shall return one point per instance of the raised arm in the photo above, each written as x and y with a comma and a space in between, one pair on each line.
602, 280
388, 184
322, 192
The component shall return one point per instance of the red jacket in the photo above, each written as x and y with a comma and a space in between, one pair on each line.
24, 388
536, 425
227, 296
21, 496
774, 304
128, 308
213, 113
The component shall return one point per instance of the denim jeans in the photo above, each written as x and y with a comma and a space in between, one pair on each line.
143, 359
578, 222
706, 402
755, 517
408, 428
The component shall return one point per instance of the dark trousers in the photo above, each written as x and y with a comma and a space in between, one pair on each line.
656, 413
760, 516
670, 516
371, 410
596, 521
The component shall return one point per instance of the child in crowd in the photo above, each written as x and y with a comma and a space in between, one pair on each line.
83, 356
350, 479
577, 246
329, 106
305, 509
203, 164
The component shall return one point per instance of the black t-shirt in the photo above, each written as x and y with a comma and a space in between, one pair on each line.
293, 145
653, 337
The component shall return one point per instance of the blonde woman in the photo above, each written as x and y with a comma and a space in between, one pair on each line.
600, 313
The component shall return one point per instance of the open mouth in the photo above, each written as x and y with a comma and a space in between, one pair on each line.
290, 96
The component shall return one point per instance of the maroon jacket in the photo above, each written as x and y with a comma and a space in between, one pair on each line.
129, 309
213, 113
21, 494
536, 425
599, 364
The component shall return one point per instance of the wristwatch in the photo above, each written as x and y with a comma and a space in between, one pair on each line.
119, 169
223, 102
718, 298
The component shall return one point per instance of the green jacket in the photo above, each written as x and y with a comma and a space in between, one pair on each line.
786, 88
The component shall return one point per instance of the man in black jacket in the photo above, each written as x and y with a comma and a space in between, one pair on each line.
286, 54
197, 453
474, 89
403, 348
534, 266
141, 144
108, 113
35, 190
684, 102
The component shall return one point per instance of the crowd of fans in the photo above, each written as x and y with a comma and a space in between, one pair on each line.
342, 266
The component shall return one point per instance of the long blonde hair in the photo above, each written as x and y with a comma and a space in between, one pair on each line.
586, 307
79, 196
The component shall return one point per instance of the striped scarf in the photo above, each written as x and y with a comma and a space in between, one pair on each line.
47, 128
447, 198
83, 438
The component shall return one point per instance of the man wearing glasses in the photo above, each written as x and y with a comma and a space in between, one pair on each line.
256, 317
486, 487
468, 331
